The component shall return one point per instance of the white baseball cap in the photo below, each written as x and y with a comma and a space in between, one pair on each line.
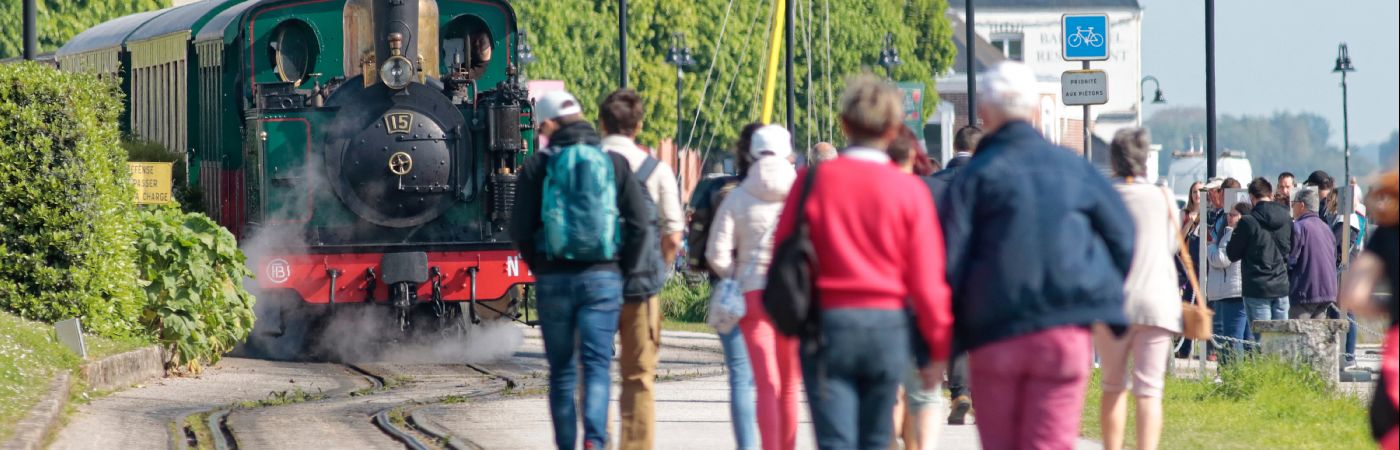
556, 104
772, 140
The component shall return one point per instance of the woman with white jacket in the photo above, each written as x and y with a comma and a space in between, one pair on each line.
1224, 285
741, 242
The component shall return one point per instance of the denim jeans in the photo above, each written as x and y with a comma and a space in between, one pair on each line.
578, 317
853, 379
1266, 309
741, 390
1234, 323
1334, 313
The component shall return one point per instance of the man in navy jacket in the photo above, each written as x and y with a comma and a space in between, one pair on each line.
1038, 245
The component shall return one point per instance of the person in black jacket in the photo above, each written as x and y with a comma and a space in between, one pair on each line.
578, 302
1261, 241
964, 143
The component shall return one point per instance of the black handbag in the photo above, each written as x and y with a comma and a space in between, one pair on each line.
790, 296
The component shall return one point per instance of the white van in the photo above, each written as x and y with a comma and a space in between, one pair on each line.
1190, 167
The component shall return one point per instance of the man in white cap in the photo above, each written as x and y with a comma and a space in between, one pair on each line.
578, 298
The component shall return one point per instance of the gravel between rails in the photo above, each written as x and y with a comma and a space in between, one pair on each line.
139, 418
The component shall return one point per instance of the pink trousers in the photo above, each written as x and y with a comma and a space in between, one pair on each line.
1029, 389
777, 375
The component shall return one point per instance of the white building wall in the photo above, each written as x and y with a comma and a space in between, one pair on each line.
1040, 32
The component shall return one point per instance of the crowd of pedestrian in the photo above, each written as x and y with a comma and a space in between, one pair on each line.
870, 278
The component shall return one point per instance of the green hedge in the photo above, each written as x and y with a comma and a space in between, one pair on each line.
66, 217
193, 273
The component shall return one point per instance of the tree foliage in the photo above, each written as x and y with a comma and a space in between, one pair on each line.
60, 20
1284, 141
576, 41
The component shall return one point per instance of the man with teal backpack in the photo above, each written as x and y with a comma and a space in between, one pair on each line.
579, 219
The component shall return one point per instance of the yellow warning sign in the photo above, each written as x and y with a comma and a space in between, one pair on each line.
152, 181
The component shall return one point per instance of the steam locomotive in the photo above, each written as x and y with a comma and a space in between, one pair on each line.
363, 151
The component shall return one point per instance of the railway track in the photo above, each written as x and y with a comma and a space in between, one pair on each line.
210, 429
404, 422
408, 424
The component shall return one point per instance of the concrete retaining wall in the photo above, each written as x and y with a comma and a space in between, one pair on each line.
125, 369
43, 416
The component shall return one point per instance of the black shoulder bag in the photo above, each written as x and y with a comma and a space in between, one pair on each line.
791, 295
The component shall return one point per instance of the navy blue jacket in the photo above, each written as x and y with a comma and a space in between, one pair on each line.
1036, 238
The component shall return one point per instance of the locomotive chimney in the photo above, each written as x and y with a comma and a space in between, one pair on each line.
401, 17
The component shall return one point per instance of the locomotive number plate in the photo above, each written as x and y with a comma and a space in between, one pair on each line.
398, 123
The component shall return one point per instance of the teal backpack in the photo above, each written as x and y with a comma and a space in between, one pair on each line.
579, 207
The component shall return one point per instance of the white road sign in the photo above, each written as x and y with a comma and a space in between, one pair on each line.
1084, 87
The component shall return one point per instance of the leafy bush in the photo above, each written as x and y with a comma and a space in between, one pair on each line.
195, 301
66, 221
683, 300
189, 196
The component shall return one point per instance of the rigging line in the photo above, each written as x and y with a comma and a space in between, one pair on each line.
830, 121
738, 68
807, 89
719, 53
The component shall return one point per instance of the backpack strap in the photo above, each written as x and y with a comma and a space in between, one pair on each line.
648, 166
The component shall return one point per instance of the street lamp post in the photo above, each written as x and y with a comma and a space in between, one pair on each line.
1343, 66
889, 56
679, 56
1157, 98
524, 55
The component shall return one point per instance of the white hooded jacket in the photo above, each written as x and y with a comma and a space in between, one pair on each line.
741, 238
1223, 279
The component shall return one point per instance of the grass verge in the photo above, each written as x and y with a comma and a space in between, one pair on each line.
30, 356
1263, 403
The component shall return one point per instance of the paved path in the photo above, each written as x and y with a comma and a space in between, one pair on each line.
691, 414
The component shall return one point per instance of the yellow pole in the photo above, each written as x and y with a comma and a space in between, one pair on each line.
771, 82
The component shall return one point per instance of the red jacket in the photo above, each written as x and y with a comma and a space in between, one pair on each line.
878, 242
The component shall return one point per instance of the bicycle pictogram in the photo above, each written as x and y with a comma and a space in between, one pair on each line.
1085, 36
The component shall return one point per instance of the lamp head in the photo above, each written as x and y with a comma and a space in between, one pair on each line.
1343, 60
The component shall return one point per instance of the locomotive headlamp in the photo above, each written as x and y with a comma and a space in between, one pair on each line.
396, 72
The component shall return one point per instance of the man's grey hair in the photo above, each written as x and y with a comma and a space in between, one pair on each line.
824, 151
1010, 87
1128, 152
1308, 197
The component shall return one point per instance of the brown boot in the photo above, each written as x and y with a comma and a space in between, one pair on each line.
957, 415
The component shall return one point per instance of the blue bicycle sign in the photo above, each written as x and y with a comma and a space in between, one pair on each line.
1085, 37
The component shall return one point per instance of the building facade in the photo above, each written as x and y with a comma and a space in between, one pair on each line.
1029, 31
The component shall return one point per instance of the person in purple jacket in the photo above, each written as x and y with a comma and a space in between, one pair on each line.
1312, 270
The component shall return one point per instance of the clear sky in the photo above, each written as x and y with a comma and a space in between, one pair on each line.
1277, 55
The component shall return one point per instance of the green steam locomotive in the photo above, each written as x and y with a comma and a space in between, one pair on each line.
363, 151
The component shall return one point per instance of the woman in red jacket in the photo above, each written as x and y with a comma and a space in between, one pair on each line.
880, 249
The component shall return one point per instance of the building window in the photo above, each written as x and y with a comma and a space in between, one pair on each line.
1010, 45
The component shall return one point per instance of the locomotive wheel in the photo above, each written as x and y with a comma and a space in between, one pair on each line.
286, 328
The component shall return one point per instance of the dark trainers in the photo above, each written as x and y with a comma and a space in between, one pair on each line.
958, 413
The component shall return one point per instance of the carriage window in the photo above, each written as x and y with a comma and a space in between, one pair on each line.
294, 50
